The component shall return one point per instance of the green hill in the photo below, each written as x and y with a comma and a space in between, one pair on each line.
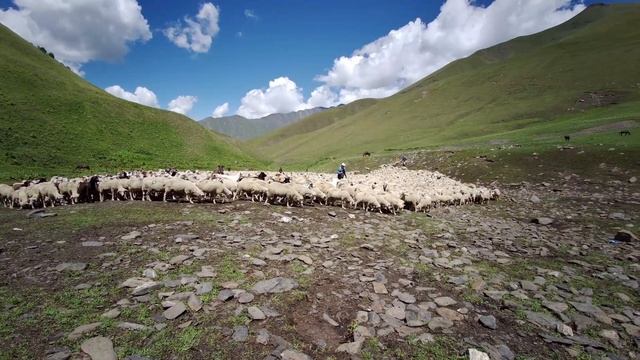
52, 120
580, 78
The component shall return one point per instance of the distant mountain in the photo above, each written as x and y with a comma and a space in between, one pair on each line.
240, 127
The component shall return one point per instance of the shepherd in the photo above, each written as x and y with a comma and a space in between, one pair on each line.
342, 171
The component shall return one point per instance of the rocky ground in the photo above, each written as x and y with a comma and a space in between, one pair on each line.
138, 280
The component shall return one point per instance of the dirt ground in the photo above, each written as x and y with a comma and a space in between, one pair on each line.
411, 286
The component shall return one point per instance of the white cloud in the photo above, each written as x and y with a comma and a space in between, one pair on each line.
182, 104
79, 31
416, 50
196, 34
282, 95
221, 110
141, 95
250, 14
322, 96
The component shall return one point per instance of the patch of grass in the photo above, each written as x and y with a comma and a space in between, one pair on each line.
443, 348
237, 320
228, 269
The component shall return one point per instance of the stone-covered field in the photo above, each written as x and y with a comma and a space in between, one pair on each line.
247, 281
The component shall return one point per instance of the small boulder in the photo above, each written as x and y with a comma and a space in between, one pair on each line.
625, 236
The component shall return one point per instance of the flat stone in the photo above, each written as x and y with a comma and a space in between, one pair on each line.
275, 285
150, 273
185, 237
245, 297
478, 355
111, 314
444, 301
178, 259
99, 348
557, 307
592, 311
396, 312
132, 326
92, 243
263, 336
379, 288
305, 259
294, 355
541, 319
625, 236
58, 354
204, 288
438, 323
488, 321
176, 310
255, 313
225, 295
240, 333
206, 271
542, 221
146, 288
83, 329
449, 314
194, 302
71, 266
564, 329
417, 318
404, 297
352, 348
132, 235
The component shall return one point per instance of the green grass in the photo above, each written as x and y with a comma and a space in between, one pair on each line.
525, 91
52, 120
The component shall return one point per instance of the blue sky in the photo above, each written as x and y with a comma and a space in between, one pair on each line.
261, 41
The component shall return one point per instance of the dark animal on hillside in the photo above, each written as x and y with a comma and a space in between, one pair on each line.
366, 154
625, 132
88, 190
567, 138
82, 167
220, 170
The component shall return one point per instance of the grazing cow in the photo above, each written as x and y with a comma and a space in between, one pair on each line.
82, 167
366, 154
567, 138
625, 132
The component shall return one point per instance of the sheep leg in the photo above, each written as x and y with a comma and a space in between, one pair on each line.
164, 197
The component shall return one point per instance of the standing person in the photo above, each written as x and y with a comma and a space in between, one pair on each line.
342, 171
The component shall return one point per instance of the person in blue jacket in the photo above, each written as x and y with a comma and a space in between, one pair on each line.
342, 171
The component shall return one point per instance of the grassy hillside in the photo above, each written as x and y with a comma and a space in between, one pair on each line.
580, 78
51, 120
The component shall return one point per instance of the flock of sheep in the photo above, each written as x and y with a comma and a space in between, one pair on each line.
387, 189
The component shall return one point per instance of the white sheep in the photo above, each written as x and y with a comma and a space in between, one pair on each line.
180, 186
214, 188
6, 193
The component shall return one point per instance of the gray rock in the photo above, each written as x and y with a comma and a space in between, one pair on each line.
352, 348
592, 311
417, 318
444, 301
225, 295
275, 285
404, 297
240, 333
132, 235
542, 221
99, 348
92, 243
204, 288
176, 310
625, 236
478, 355
194, 302
438, 323
263, 336
58, 354
111, 314
564, 329
185, 237
146, 288
328, 319
245, 297
83, 329
255, 313
488, 321
132, 326
541, 319
178, 259
294, 355
557, 307
71, 266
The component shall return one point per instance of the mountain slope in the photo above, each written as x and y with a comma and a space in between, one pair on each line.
51, 120
577, 75
240, 127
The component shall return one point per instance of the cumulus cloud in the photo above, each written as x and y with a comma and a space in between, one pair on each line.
141, 95
221, 110
182, 104
79, 31
250, 14
282, 95
417, 49
196, 34
322, 96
